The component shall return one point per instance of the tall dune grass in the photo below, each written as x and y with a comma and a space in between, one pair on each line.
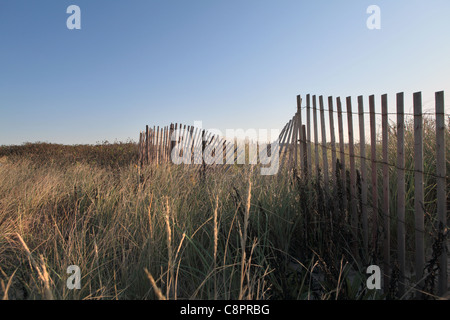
163, 233
233, 236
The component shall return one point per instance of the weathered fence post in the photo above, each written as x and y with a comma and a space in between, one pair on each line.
305, 153
300, 138
324, 146
281, 139
286, 146
440, 188
140, 149
164, 145
373, 155
353, 203
146, 144
386, 213
308, 129
294, 145
197, 146
194, 145
401, 238
362, 153
418, 189
316, 139
161, 145
171, 140
342, 153
192, 133
157, 145
203, 169
332, 137
153, 144
168, 144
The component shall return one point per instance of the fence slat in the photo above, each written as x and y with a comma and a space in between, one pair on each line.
180, 141
316, 138
301, 137
386, 213
153, 144
373, 156
335, 201
304, 155
282, 143
342, 153
298, 147
203, 154
281, 139
353, 203
197, 146
140, 149
146, 144
362, 153
157, 145
165, 144
183, 139
161, 145
324, 144
293, 145
308, 133
332, 136
418, 188
440, 187
169, 145
286, 144
186, 141
191, 147
401, 237
150, 146
229, 155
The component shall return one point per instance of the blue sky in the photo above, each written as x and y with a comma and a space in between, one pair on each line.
229, 63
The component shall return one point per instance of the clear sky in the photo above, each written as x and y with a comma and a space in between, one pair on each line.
229, 63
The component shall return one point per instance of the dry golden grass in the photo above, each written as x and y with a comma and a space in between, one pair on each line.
163, 233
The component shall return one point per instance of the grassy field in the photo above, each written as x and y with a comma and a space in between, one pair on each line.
164, 233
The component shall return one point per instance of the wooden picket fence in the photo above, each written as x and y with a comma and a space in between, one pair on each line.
156, 145
367, 192
301, 146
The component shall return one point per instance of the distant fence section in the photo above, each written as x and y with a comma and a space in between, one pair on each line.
192, 145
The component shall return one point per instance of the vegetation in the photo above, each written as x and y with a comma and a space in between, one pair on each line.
106, 155
165, 232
